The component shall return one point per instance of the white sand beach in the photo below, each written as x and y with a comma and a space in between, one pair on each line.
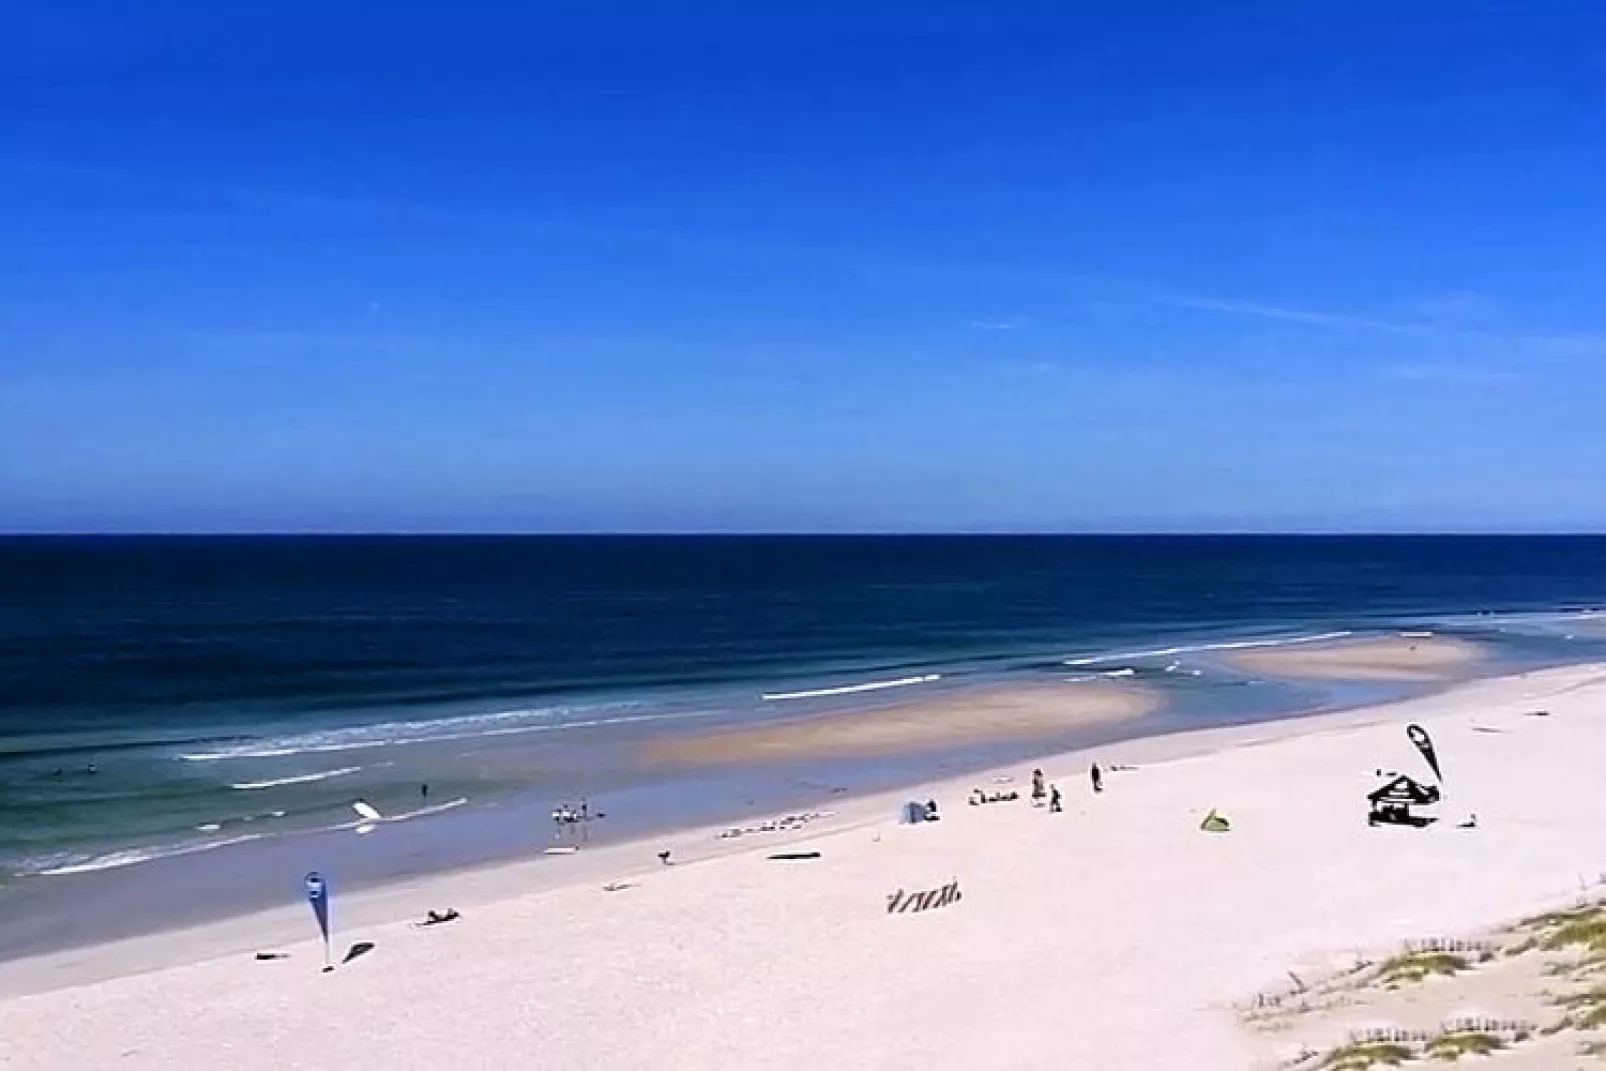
1018, 712
1408, 657
1116, 935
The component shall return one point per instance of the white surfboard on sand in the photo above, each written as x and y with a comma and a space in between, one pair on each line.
368, 816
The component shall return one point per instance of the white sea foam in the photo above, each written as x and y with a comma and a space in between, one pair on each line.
368, 822
1127, 672
850, 689
62, 866
133, 856
388, 734
299, 779
1234, 645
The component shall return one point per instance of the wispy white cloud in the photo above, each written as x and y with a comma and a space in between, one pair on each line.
301, 340
1455, 306
1560, 344
1454, 316
1310, 317
1450, 374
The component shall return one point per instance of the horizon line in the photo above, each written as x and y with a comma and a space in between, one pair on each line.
1133, 533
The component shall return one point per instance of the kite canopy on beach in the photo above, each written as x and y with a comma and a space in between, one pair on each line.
1424, 745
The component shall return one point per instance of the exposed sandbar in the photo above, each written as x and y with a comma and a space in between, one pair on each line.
1012, 713
1386, 658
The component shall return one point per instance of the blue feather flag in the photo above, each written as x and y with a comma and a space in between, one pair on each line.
318, 897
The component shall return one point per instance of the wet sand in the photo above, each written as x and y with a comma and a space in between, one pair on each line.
1425, 658
1015, 713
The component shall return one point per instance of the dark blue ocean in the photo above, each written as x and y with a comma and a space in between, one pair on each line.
163, 696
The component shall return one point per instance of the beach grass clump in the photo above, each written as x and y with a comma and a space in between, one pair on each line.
1369, 1054
1585, 930
1590, 965
1578, 970
1586, 1010
1451, 1047
1415, 966
1551, 919
1523, 947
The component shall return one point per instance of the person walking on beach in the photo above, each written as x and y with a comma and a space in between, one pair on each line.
1054, 806
423, 793
1037, 788
1098, 778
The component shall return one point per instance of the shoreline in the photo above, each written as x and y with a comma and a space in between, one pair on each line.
157, 901
393, 903
499, 773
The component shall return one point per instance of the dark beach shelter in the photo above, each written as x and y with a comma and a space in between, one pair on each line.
1392, 802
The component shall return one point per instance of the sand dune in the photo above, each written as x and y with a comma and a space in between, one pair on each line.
1114, 936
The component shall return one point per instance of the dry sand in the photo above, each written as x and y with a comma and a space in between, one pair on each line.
950, 721
1391, 658
1114, 936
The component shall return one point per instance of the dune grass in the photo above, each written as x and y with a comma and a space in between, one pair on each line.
1523, 947
1555, 918
1415, 966
1451, 1047
1586, 1010
1370, 1054
1585, 930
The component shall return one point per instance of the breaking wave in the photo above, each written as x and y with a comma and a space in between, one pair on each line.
850, 689
301, 779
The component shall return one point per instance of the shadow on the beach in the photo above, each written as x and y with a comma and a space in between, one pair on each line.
361, 948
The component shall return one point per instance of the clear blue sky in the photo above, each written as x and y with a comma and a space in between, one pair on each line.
807, 266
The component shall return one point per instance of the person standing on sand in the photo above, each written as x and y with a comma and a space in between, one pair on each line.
1054, 806
1098, 778
1037, 788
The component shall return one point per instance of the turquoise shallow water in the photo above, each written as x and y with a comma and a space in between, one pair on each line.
181, 698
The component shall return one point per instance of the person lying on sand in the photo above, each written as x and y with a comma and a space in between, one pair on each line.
435, 918
978, 797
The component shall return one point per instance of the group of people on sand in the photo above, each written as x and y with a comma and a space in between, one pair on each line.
1042, 790
564, 815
